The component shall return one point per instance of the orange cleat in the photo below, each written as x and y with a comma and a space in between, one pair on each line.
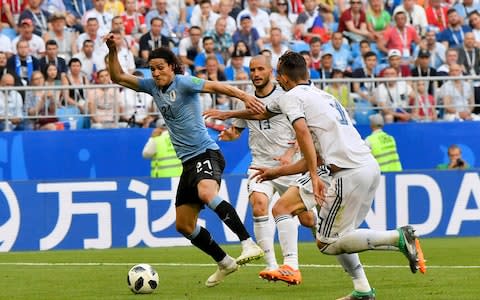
421, 262
285, 273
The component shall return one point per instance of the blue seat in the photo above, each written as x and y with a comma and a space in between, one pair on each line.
363, 110
9, 32
299, 46
65, 114
146, 72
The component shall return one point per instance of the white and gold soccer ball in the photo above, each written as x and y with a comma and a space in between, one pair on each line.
142, 279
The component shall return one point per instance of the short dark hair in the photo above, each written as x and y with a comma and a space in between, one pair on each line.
74, 60
92, 19
315, 39
364, 42
87, 41
451, 10
206, 38
156, 19
51, 43
170, 57
369, 54
293, 65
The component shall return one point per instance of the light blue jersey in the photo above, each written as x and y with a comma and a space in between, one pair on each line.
181, 108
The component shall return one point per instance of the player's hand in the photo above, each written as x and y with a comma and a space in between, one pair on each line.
108, 39
215, 114
228, 135
264, 173
254, 104
283, 159
319, 189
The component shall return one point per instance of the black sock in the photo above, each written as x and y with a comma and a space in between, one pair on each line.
204, 242
229, 216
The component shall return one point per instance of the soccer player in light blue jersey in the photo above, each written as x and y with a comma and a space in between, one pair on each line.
177, 98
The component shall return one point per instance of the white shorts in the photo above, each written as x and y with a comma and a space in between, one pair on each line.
305, 186
348, 201
279, 185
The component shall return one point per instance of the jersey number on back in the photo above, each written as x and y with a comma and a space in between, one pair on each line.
343, 115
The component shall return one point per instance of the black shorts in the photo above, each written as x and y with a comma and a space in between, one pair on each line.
208, 165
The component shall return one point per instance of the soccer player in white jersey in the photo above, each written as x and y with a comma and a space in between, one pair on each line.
270, 144
323, 126
176, 96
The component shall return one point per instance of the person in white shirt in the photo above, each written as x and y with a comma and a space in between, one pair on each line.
259, 17
324, 129
91, 63
206, 18
125, 56
415, 13
92, 32
35, 43
5, 45
14, 108
104, 18
138, 108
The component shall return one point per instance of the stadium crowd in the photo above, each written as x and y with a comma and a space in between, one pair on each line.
60, 43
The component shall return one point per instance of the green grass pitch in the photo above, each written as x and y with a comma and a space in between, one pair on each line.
454, 273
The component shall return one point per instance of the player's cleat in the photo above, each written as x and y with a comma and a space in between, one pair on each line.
407, 245
421, 262
221, 273
360, 296
265, 273
250, 253
286, 274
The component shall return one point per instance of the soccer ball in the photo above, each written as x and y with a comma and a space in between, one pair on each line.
142, 279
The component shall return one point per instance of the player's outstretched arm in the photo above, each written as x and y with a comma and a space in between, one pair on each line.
114, 68
246, 114
221, 88
264, 173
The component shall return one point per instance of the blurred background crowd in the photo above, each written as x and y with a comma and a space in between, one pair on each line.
403, 58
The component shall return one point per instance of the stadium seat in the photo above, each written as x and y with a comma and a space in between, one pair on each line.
146, 72
9, 32
363, 109
298, 46
65, 114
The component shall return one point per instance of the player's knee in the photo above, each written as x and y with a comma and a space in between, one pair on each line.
184, 229
280, 209
325, 248
259, 207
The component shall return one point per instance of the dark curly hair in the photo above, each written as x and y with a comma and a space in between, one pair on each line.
169, 57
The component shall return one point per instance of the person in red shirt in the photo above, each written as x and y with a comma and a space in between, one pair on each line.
133, 21
437, 15
353, 22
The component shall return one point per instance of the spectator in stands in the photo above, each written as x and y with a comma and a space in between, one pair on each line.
92, 33
208, 50
455, 160
437, 50
40, 105
315, 52
242, 48
378, 19
423, 103
14, 109
138, 108
10, 12
133, 21
458, 97
65, 37
170, 18
214, 72
466, 7
305, 21
276, 45
422, 69
76, 98
236, 66
341, 91
75, 10
205, 98
400, 36
469, 59
395, 61
224, 10
104, 19
52, 57
283, 19
35, 13
53, 6
436, 15
22, 63
259, 18
474, 22
393, 98
125, 56
103, 106
90, 63
222, 40
358, 61
5, 44
415, 14
313, 73
53, 78
453, 35
248, 34
128, 41
365, 89
178, 8
189, 47
342, 56
451, 57
326, 67
353, 23
153, 39
114, 7
4, 69
36, 46
207, 18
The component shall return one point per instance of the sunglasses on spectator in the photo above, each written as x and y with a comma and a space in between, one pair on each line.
355, 2
283, 4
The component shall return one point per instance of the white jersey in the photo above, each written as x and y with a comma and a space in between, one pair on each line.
334, 136
268, 138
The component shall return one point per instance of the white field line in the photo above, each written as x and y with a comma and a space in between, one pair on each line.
211, 265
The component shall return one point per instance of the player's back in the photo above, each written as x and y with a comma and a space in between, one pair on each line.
335, 138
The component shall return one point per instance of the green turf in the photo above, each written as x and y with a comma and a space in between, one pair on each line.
387, 272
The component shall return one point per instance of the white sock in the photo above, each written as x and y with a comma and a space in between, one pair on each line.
351, 264
226, 261
264, 230
288, 235
247, 242
364, 239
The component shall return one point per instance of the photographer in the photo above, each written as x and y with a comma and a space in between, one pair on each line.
455, 160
